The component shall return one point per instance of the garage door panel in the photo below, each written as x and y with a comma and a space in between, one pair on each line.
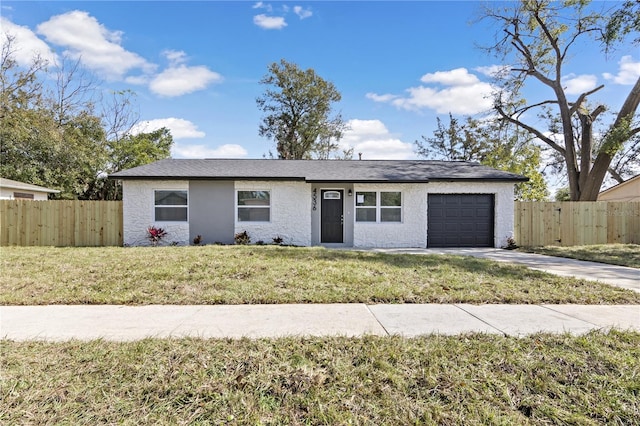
460, 220
450, 228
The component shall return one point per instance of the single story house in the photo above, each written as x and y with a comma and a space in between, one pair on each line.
14, 190
629, 190
335, 203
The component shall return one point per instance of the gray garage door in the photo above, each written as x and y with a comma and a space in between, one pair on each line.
460, 220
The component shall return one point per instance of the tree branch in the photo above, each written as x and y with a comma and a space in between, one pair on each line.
532, 130
581, 99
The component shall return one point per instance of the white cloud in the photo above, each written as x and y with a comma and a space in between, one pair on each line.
494, 70
203, 151
269, 22
137, 79
175, 57
627, 74
380, 98
262, 5
456, 77
179, 127
467, 99
578, 84
26, 44
98, 48
179, 79
301, 12
465, 94
373, 140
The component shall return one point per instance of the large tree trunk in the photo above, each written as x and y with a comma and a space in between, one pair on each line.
603, 160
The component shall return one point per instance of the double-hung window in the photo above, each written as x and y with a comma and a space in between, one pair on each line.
254, 206
170, 206
390, 207
366, 206
383, 206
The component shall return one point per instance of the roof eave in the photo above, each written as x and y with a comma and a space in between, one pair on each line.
205, 178
367, 181
485, 179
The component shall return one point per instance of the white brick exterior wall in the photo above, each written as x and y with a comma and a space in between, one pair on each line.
139, 212
503, 199
290, 212
411, 232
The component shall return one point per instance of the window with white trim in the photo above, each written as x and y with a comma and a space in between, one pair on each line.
254, 206
383, 206
171, 205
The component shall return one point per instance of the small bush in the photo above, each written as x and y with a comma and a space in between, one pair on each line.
511, 244
156, 235
278, 240
197, 240
242, 238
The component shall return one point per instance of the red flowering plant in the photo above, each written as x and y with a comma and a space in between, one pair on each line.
155, 235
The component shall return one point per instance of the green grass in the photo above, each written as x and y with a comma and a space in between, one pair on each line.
472, 380
613, 254
268, 274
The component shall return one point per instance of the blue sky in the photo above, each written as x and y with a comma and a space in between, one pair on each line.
195, 66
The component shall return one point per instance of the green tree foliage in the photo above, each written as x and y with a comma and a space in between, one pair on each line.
50, 134
297, 107
539, 36
623, 21
490, 143
38, 146
562, 194
127, 152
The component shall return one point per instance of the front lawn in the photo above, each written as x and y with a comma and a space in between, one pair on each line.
269, 274
613, 254
467, 380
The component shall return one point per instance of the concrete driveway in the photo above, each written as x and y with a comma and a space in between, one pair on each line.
619, 276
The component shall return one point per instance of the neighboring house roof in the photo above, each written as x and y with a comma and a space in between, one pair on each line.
21, 186
629, 190
317, 170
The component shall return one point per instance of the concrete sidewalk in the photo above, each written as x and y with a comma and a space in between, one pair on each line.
126, 323
619, 276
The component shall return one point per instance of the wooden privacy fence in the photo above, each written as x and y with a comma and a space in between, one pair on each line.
60, 223
571, 223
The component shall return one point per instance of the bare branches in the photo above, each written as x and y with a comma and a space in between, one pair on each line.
538, 37
119, 114
74, 90
578, 103
544, 138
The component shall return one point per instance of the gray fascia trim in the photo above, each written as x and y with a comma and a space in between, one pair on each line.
525, 179
221, 178
368, 181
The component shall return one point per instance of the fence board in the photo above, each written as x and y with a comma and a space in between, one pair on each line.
576, 223
60, 223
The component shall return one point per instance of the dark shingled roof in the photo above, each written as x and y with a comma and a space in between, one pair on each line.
317, 170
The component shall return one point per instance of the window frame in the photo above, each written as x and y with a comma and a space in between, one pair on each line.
23, 196
378, 207
248, 206
381, 207
170, 206
365, 207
